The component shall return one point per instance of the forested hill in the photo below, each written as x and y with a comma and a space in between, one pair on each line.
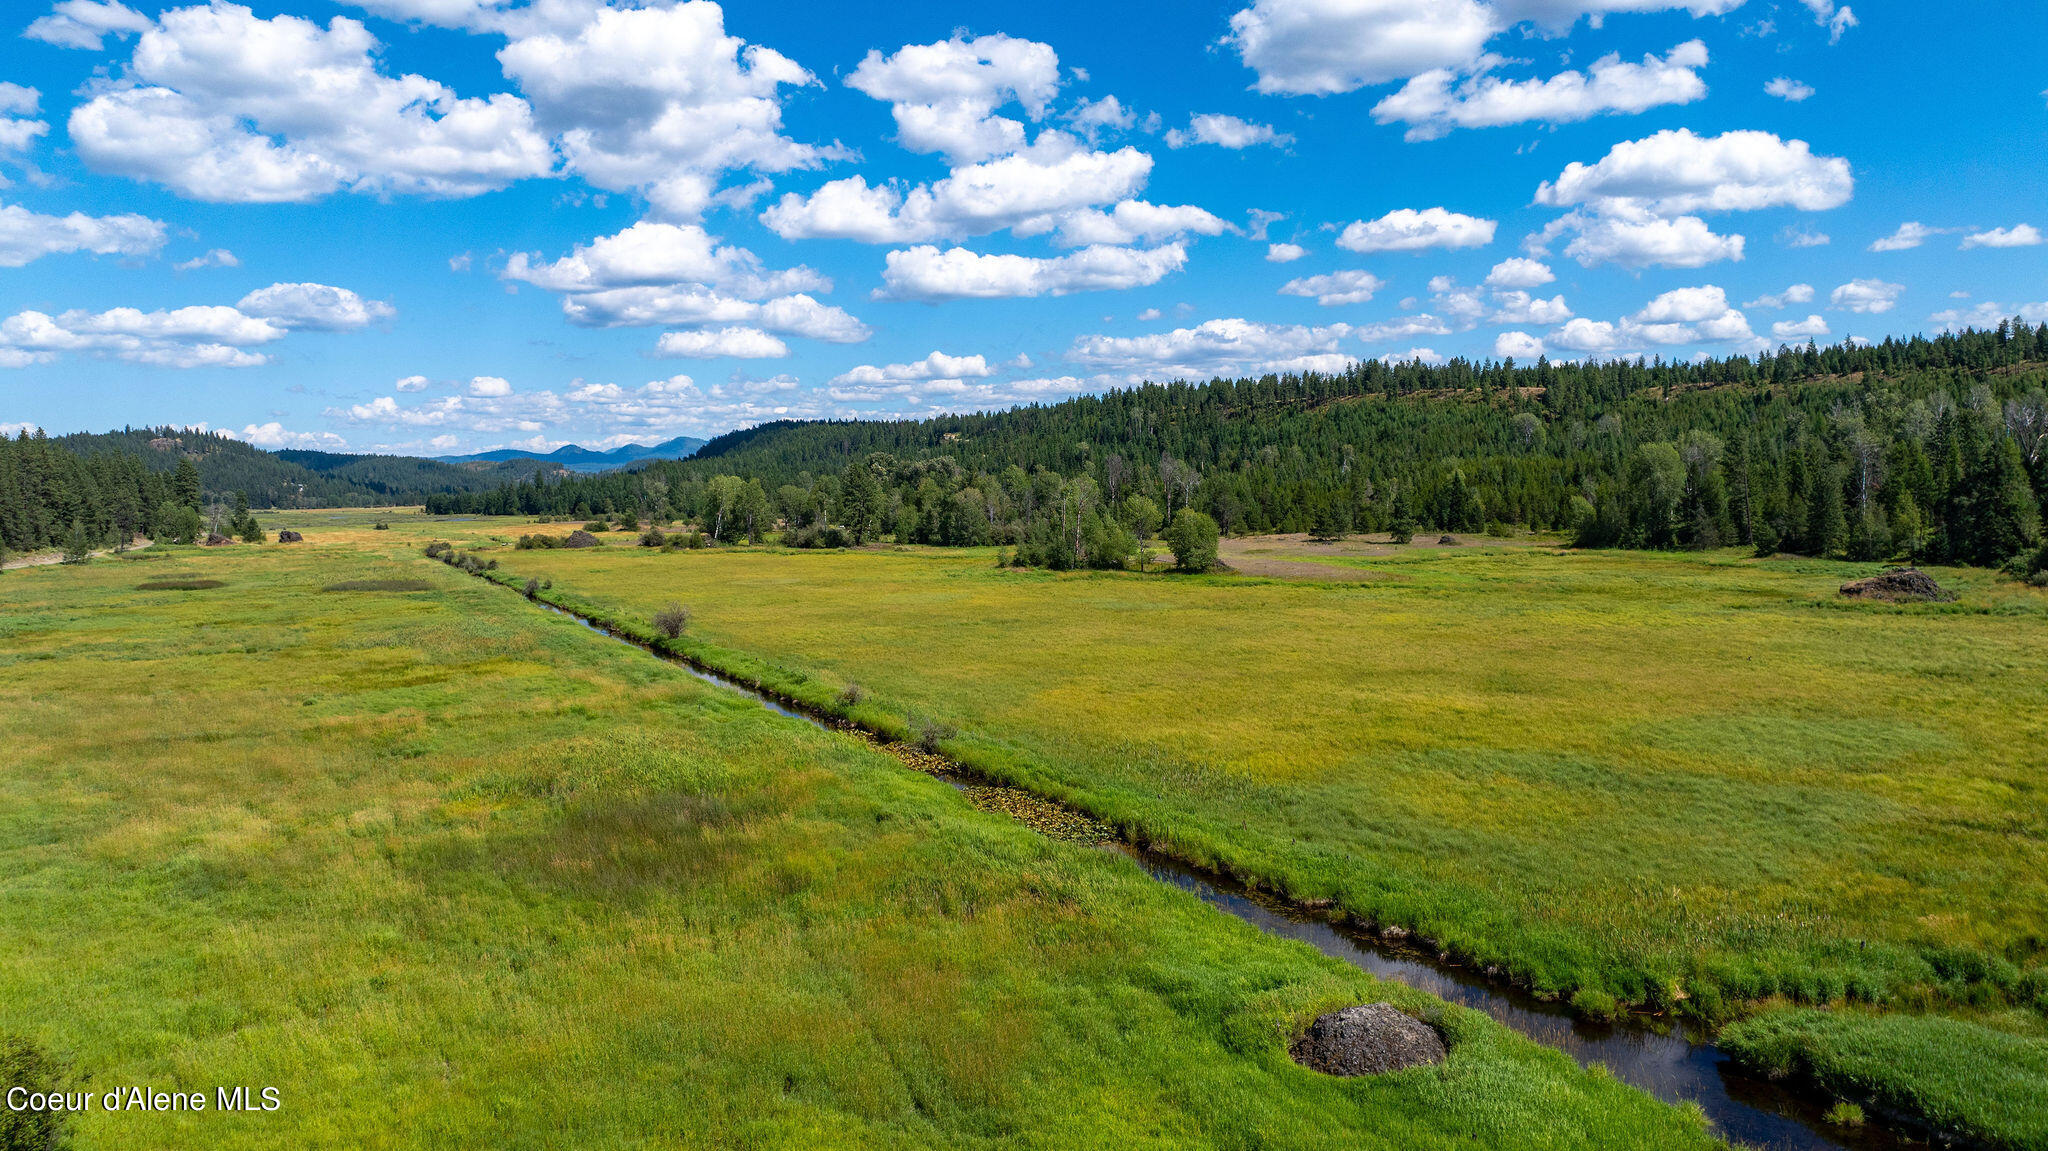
92, 490
293, 478
1926, 447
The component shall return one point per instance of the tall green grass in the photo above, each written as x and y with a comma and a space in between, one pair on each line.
450, 872
1683, 782
1985, 1084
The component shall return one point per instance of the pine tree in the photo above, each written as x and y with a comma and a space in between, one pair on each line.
1827, 532
185, 484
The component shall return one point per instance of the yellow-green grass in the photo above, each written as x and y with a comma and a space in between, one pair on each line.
1684, 781
1985, 1084
447, 871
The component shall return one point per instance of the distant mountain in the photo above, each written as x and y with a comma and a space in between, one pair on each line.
582, 459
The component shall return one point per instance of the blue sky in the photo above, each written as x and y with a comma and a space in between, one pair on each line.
446, 225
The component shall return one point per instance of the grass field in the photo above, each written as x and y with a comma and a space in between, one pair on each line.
1677, 781
450, 872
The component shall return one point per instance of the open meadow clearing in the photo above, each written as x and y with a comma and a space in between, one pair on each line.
445, 870
1629, 776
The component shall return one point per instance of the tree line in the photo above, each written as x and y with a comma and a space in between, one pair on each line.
1928, 448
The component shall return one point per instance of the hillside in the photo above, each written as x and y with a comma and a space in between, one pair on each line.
293, 478
1925, 448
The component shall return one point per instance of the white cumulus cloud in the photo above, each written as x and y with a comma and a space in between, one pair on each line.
1226, 132
944, 96
650, 253
1520, 272
737, 342
1787, 89
2018, 236
937, 366
1284, 253
1676, 172
929, 273
1335, 288
212, 258
1034, 187
85, 24
27, 236
1808, 328
1796, 294
1226, 347
1517, 345
1866, 297
1909, 235
1409, 230
319, 307
1636, 239
220, 105
1438, 101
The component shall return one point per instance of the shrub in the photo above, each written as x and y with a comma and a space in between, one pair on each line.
851, 694
25, 1065
1193, 537
828, 536
546, 584
652, 538
672, 620
1844, 1114
532, 589
436, 550
931, 732
697, 540
381, 526
597, 526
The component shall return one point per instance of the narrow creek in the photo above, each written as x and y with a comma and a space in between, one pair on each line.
1657, 1056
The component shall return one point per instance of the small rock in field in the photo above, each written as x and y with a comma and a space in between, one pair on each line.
1904, 585
1369, 1040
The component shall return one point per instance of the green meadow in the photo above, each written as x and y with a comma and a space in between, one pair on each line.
448, 871
1680, 782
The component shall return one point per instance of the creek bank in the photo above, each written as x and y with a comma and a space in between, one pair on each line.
1657, 1056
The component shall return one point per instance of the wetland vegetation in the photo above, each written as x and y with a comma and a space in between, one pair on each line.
448, 870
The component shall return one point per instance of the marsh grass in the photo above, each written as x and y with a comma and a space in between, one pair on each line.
380, 584
1984, 1084
452, 872
1670, 783
179, 585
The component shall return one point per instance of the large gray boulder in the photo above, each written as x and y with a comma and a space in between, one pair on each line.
1369, 1040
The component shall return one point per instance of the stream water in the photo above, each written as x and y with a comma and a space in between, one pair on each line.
1654, 1055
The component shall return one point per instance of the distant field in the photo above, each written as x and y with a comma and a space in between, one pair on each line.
1674, 780
447, 871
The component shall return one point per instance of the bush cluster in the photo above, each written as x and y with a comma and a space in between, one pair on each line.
818, 536
671, 621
